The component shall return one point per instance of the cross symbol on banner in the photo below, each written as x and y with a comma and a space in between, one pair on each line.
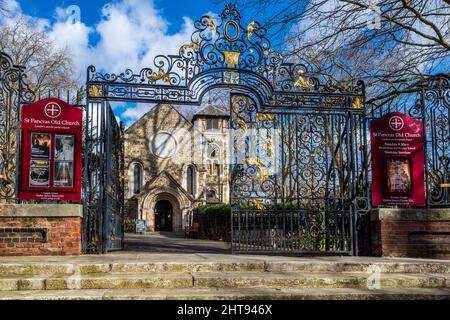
396, 123
52, 110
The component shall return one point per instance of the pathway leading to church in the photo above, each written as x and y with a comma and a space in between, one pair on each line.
171, 242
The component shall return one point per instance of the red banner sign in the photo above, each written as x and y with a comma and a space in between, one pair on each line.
51, 151
397, 161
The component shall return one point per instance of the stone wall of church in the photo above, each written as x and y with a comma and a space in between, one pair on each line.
191, 150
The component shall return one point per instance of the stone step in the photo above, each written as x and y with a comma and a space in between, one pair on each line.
230, 294
222, 280
317, 280
38, 268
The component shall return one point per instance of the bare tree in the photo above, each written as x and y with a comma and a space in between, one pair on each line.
3, 8
394, 45
48, 69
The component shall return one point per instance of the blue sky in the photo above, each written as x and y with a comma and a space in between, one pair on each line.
117, 34
91, 10
114, 35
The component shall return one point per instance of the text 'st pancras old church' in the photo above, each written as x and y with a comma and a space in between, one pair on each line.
173, 164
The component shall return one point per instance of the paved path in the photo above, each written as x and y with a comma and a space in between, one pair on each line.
172, 242
173, 248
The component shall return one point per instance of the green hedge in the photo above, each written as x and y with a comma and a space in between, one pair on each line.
214, 221
216, 208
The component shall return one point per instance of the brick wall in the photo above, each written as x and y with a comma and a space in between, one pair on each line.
411, 232
40, 230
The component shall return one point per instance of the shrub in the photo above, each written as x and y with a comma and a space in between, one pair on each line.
215, 208
214, 221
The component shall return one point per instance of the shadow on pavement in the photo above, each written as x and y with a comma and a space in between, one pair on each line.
172, 242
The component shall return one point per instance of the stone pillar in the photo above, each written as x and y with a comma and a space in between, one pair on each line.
411, 232
40, 229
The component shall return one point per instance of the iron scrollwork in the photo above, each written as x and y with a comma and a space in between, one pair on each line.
14, 92
226, 52
296, 177
297, 180
435, 101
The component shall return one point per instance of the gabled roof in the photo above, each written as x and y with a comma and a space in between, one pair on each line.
155, 109
168, 177
211, 111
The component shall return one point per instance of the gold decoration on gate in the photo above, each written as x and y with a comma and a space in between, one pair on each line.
279, 56
95, 90
231, 57
357, 103
258, 204
302, 82
250, 28
193, 46
254, 161
212, 25
265, 117
231, 77
234, 102
269, 147
262, 173
159, 75
241, 123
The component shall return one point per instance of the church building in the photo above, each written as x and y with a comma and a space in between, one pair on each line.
173, 164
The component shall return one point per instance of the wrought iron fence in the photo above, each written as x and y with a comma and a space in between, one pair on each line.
299, 181
103, 179
13, 93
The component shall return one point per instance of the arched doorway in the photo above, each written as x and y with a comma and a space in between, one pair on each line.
163, 216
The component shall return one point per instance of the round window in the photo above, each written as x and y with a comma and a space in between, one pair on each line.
164, 145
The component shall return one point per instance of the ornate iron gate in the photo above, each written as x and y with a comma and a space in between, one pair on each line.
299, 181
435, 112
103, 179
226, 54
14, 92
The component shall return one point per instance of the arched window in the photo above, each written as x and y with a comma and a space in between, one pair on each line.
211, 195
217, 170
137, 178
190, 180
213, 152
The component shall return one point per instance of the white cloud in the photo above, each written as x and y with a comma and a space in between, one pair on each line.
75, 36
12, 8
130, 34
134, 113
